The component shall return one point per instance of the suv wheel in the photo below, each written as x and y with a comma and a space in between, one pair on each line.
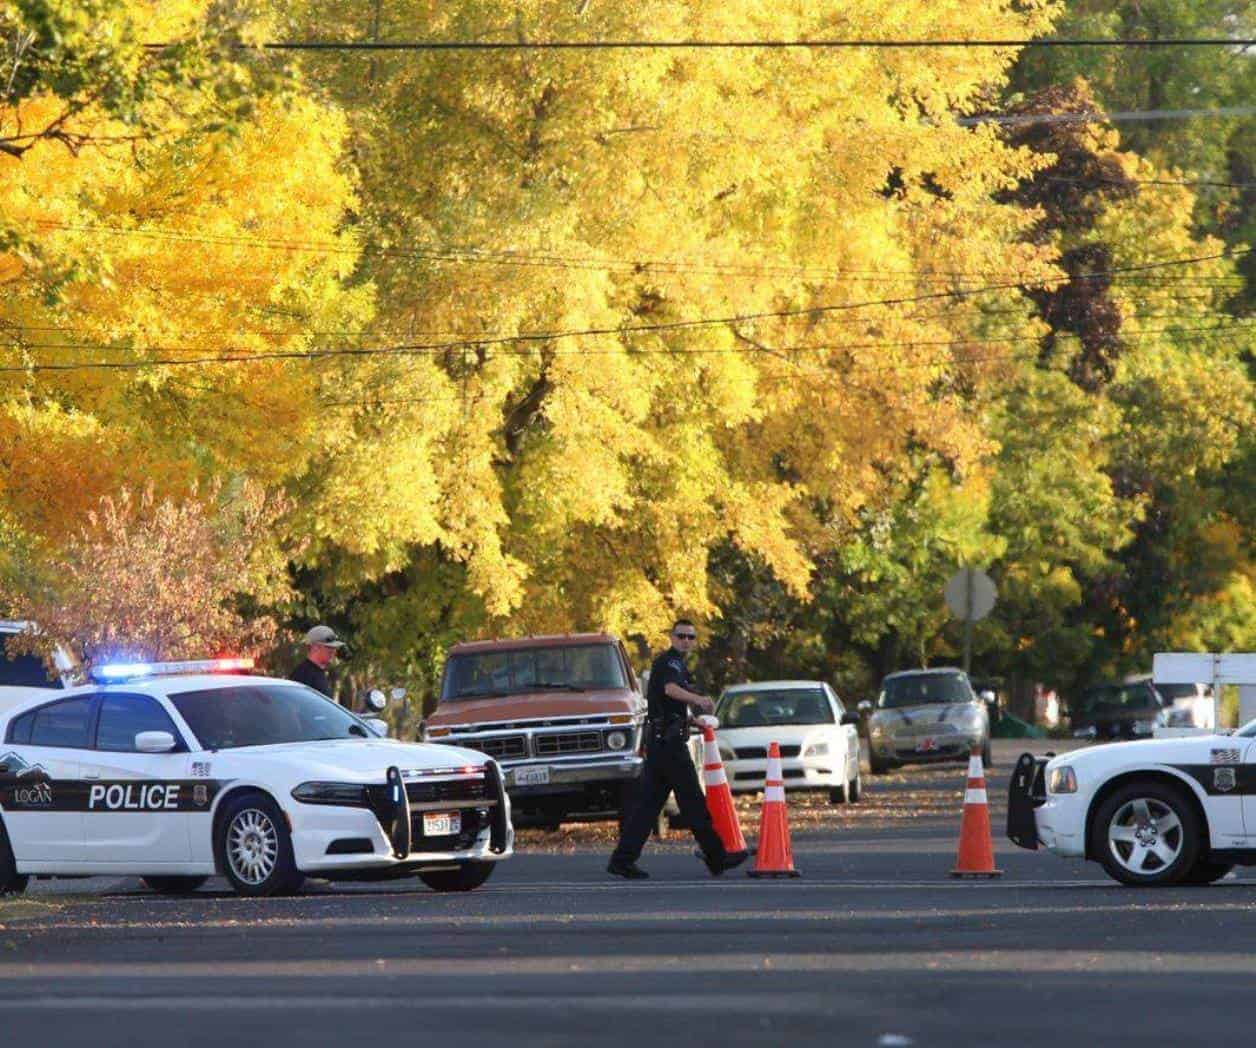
467, 877
1146, 834
11, 882
254, 848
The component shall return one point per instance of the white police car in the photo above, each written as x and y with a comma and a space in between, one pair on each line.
1156, 812
177, 771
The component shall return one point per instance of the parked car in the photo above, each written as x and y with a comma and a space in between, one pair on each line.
818, 738
176, 771
1131, 710
923, 716
24, 676
1186, 705
562, 715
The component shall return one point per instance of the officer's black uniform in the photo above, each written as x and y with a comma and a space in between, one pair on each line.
313, 675
668, 768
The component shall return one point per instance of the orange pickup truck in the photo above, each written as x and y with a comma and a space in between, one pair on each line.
562, 716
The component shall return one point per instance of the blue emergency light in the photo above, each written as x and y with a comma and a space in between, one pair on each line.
112, 672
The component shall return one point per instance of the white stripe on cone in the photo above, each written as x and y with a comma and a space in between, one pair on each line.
774, 793
977, 796
974, 768
716, 777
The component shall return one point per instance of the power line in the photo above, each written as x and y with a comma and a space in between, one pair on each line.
404, 350
857, 43
1119, 116
480, 256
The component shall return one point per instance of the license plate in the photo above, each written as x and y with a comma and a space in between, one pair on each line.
441, 823
927, 745
531, 776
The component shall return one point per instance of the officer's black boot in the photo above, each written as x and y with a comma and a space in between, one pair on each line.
629, 871
726, 861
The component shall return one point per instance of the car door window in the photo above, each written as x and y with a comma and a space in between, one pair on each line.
20, 729
64, 724
122, 717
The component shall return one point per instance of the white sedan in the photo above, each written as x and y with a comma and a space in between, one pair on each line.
817, 736
1156, 812
173, 773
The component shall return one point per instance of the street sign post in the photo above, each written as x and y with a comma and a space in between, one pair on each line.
970, 595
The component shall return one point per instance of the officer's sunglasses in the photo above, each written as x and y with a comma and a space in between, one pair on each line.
686, 636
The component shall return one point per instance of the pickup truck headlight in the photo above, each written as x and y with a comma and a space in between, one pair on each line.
351, 794
816, 749
1062, 780
617, 740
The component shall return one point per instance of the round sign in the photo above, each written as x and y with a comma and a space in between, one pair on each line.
970, 594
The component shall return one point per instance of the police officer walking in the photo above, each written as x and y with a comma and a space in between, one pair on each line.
668, 767
323, 645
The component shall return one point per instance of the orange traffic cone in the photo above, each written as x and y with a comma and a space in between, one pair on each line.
775, 858
976, 854
719, 797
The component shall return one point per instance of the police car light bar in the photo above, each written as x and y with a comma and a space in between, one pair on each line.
118, 671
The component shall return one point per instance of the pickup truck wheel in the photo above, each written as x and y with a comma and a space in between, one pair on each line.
1205, 872
1146, 834
174, 885
11, 882
254, 848
467, 877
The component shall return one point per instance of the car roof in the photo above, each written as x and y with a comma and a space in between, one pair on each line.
157, 687
551, 640
920, 673
779, 685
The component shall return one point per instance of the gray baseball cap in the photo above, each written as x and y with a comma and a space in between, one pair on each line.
324, 635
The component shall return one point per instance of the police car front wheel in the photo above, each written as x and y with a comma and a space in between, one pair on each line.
1146, 833
254, 847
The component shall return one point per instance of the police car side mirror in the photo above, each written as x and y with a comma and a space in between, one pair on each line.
378, 726
376, 700
154, 742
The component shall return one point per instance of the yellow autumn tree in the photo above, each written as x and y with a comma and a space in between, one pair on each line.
639, 285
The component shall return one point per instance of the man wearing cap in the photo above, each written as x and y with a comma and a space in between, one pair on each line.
671, 696
323, 645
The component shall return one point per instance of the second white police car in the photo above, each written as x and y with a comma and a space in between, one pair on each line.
1157, 812
177, 771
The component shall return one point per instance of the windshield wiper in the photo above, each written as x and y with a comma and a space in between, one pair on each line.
480, 695
558, 685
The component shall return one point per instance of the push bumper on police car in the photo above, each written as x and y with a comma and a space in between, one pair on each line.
415, 820
1036, 818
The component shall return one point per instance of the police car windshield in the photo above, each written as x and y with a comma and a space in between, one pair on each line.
264, 715
772, 707
576, 667
923, 689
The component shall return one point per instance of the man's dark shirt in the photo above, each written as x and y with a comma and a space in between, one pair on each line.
312, 674
668, 668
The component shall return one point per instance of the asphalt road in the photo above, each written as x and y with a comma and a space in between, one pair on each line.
874, 945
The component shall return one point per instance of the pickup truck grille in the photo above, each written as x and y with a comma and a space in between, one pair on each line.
503, 747
567, 742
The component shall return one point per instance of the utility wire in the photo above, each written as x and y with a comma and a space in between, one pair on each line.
479, 256
403, 350
856, 43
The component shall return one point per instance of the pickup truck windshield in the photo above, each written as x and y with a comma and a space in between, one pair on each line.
580, 667
922, 689
1113, 698
263, 715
